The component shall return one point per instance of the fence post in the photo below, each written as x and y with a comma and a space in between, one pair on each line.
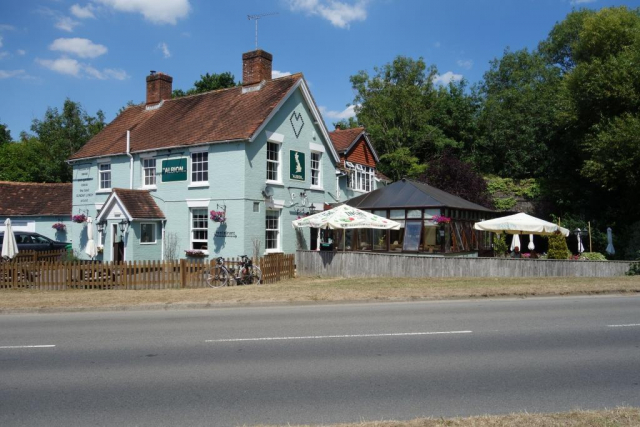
183, 273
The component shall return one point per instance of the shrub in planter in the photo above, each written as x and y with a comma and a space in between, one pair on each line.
500, 245
195, 253
218, 216
558, 247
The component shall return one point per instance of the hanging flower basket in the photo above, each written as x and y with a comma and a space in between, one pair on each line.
60, 227
79, 218
441, 219
218, 216
195, 253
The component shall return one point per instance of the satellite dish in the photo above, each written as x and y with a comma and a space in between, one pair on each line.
267, 192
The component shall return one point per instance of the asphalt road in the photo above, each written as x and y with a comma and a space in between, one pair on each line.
319, 363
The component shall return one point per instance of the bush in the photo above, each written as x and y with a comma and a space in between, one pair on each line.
592, 256
500, 245
558, 247
634, 269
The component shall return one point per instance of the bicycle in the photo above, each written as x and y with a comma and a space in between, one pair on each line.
221, 276
248, 274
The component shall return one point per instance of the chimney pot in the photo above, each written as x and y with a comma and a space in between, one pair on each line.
159, 87
256, 66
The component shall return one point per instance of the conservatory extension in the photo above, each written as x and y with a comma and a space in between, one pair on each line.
434, 222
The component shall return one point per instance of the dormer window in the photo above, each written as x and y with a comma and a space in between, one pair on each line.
361, 178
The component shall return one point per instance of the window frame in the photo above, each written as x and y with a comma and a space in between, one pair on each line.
102, 172
144, 168
278, 231
319, 185
204, 171
361, 180
277, 162
192, 229
155, 233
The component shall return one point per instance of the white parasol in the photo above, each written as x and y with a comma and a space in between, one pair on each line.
346, 217
531, 246
91, 249
580, 245
520, 223
9, 245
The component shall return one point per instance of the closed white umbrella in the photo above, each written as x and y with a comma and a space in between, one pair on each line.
91, 248
580, 245
9, 245
531, 245
515, 242
610, 249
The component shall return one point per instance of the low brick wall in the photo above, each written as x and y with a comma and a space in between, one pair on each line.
361, 264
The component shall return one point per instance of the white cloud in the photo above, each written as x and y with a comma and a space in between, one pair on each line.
83, 12
6, 27
446, 78
339, 115
165, 50
339, 13
156, 11
72, 67
84, 48
582, 1
437, 45
0, 41
62, 22
276, 74
7, 74
467, 63
67, 66
3, 54
21, 52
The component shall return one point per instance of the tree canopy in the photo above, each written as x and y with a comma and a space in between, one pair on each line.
208, 82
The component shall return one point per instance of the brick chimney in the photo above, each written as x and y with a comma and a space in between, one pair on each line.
256, 67
159, 87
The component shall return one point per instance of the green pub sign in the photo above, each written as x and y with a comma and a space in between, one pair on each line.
174, 170
297, 165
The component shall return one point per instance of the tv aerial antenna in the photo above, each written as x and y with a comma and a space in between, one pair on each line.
257, 18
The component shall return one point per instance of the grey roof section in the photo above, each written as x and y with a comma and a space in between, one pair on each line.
411, 194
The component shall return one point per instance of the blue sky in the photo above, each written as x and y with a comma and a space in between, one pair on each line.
98, 52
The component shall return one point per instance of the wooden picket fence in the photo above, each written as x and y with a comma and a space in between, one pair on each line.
56, 275
35, 256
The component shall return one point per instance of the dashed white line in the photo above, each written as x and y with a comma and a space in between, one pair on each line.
5, 347
624, 326
318, 337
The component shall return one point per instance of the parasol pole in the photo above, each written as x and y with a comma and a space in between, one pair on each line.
590, 248
344, 240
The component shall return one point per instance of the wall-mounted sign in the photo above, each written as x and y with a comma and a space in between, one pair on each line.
174, 170
225, 234
296, 165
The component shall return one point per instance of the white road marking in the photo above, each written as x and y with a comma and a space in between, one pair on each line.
3, 347
318, 337
623, 326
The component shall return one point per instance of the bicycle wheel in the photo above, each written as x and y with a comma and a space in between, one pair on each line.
208, 277
220, 279
256, 275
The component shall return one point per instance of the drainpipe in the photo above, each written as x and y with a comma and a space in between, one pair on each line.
164, 222
130, 160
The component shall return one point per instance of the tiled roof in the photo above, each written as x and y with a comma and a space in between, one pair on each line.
411, 194
216, 116
139, 203
35, 199
342, 139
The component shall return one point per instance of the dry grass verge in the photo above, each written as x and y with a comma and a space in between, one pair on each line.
621, 417
308, 289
